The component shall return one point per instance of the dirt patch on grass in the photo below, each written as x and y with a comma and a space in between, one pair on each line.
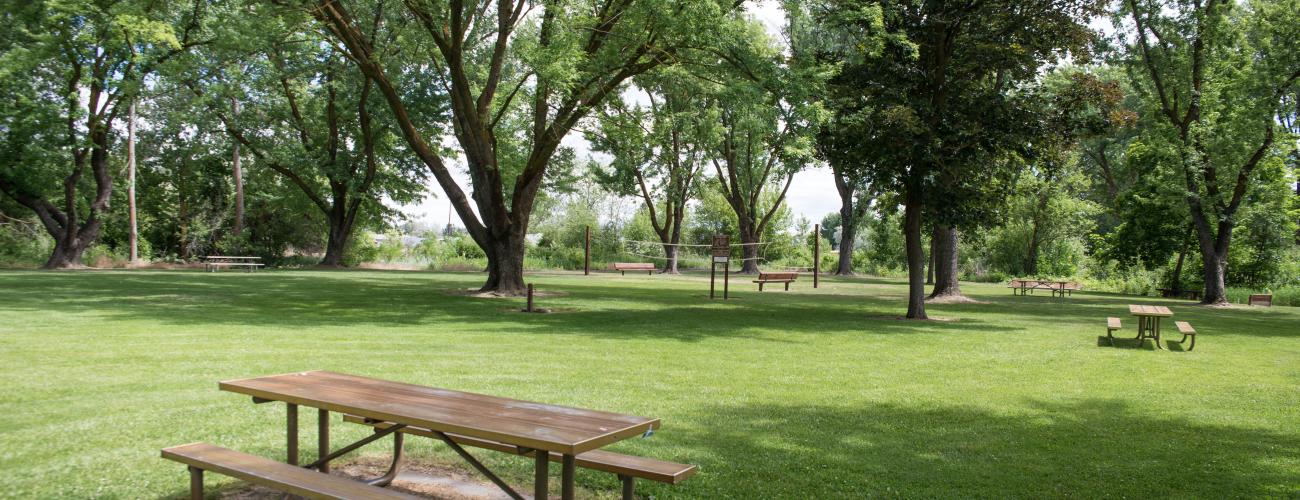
473, 292
905, 318
953, 299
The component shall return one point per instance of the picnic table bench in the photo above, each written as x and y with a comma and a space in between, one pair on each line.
571, 436
1184, 294
786, 278
1055, 287
624, 267
214, 262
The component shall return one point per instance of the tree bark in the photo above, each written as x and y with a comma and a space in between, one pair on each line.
506, 265
848, 234
237, 172
946, 269
749, 239
929, 269
133, 235
912, 209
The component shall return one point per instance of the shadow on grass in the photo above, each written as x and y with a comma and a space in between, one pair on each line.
601, 308
1091, 448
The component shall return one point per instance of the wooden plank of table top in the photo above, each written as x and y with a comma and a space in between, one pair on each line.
1143, 310
555, 428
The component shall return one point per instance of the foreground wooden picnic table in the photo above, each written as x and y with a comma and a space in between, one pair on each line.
1149, 321
529, 426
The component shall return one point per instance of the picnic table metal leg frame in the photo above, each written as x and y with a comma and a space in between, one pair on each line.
326, 457
395, 468
291, 412
480, 467
566, 478
541, 477
629, 486
323, 440
1157, 322
196, 483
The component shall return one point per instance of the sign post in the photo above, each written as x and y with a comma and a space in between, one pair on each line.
817, 253
721, 255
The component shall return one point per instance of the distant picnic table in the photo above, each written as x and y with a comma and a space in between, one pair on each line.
1149, 321
1021, 286
1185, 294
571, 436
214, 262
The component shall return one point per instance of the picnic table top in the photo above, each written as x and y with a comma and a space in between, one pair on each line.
548, 427
1024, 280
232, 257
1140, 310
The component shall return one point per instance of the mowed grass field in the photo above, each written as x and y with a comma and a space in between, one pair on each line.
802, 394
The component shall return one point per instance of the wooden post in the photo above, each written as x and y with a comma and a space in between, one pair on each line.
586, 254
726, 278
713, 276
530, 298
817, 254
323, 439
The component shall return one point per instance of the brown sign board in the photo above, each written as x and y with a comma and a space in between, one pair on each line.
721, 245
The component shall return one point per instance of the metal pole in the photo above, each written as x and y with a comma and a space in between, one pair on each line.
726, 278
713, 275
817, 254
540, 479
586, 259
196, 483
323, 438
566, 477
292, 414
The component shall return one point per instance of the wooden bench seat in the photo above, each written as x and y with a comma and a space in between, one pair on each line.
624, 267
1264, 300
279, 476
786, 278
1112, 324
628, 468
1186, 329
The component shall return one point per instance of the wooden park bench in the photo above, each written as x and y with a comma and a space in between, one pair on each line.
1186, 329
286, 478
214, 262
1112, 324
1263, 300
786, 278
628, 468
624, 267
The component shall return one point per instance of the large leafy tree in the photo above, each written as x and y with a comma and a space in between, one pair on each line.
70, 70
316, 121
657, 150
520, 76
1215, 72
943, 88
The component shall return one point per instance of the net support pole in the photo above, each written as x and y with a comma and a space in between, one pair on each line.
586, 252
817, 254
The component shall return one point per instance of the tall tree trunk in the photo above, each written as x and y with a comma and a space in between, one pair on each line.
335, 247
134, 234
929, 269
912, 209
237, 172
946, 268
183, 211
749, 238
506, 264
848, 234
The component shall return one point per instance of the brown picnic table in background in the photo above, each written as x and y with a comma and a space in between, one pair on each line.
526, 425
1149, 321
1056, 287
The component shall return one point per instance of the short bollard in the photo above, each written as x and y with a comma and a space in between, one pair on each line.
530, 298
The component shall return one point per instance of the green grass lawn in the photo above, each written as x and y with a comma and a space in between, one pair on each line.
806, 394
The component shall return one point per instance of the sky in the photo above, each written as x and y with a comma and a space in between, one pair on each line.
812, 194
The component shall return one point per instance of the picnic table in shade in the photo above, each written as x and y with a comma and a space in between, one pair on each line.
1149, 321
1021, 286
213, 263
529, 426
